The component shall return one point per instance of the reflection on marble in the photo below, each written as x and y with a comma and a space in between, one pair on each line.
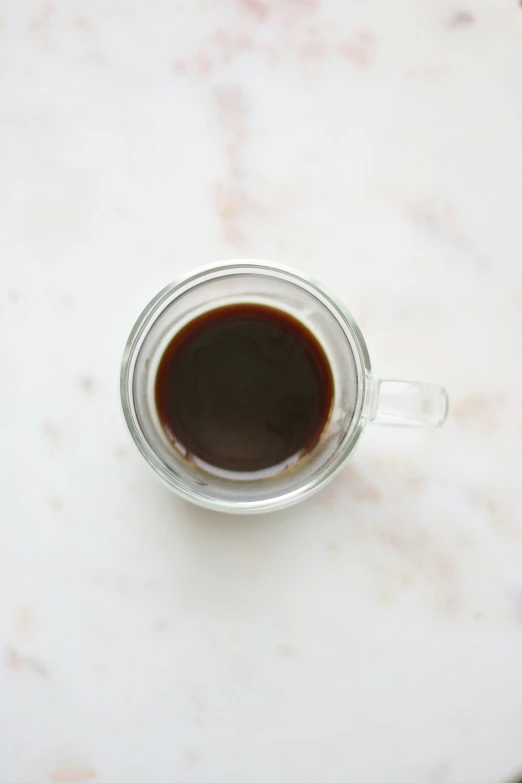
374, 632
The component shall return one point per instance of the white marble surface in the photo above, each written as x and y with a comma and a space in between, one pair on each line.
374, 633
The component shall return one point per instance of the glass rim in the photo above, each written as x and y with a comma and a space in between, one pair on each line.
153, 310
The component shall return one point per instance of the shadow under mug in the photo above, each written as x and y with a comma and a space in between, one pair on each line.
358, 397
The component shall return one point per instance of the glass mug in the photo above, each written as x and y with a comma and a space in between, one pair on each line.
358, 397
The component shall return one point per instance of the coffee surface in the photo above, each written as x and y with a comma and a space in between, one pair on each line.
244, 388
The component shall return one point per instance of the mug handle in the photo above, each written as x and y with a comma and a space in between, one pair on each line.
409, 404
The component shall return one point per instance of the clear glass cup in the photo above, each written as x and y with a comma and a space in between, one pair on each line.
358, 398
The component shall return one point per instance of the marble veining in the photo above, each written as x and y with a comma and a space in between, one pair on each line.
374, 632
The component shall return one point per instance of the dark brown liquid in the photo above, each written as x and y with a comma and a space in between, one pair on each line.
244, 388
